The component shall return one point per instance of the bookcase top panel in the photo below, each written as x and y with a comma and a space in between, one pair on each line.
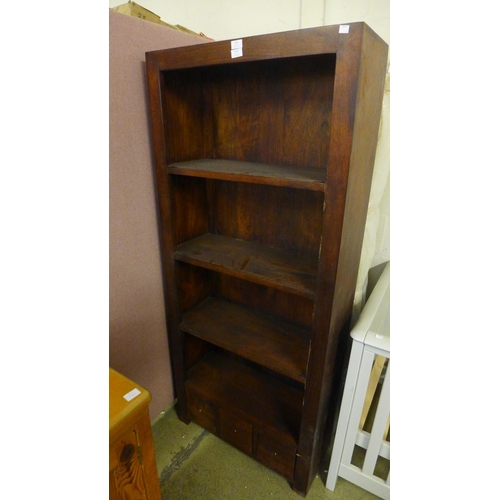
302, 42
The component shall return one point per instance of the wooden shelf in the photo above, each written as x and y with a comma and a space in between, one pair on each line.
272, 343
239, 171
232, 384
251, 261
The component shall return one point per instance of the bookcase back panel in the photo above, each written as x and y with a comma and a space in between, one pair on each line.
272, 111
196, 284
290, 219
267, 300
242, 211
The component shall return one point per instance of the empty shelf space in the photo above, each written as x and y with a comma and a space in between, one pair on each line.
251, 261
257, 173
272, 343
232, 384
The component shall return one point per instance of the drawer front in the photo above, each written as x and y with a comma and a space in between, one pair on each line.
236, 431
276, 453
201, 411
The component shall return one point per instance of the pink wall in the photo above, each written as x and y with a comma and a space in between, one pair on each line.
138, 344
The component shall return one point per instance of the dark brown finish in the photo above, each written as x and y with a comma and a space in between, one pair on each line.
280, 454
264, 166
281, 346
236, 431
253, 411
233, 384
258, 173
254, 262
202, 412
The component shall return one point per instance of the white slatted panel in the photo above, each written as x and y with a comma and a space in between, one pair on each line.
357, 406
379, 424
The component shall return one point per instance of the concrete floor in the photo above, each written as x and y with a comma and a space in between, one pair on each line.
194, 464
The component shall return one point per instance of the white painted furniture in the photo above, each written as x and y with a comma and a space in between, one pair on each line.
371, 345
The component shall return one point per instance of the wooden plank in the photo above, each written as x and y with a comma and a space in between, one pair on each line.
254, 262
257, 173
272, 343
261, 398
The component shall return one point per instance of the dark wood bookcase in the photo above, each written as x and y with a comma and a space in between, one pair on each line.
264, 160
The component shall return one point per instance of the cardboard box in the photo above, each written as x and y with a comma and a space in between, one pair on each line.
135, 10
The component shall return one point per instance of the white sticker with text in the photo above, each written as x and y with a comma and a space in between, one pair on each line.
132, 394
236, 48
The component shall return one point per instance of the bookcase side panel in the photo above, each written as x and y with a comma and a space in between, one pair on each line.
190, 212
324, 338
360, 71
163, 187
185, 115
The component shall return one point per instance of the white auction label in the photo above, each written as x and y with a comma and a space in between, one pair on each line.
236, 48
344, 28
236, 44
132, 394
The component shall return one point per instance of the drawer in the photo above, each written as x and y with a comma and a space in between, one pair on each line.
236, 431
201, 411
276, 453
